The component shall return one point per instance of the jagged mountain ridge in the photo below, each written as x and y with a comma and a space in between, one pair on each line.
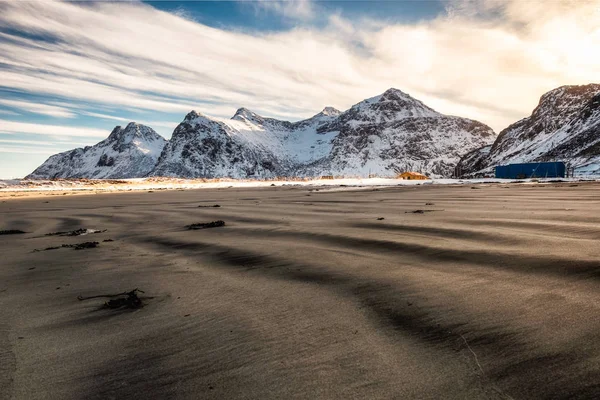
128, 152
565, 126
382, 135
395, 132
247, 145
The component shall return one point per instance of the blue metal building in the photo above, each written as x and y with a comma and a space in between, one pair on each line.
531, 170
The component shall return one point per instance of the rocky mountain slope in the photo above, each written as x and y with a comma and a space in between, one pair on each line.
394, 132
247, 145
565, 126
128, 152
382, 135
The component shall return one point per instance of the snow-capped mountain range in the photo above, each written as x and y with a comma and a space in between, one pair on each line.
565, 126
382, 135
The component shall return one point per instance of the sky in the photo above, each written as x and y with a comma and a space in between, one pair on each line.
71, 71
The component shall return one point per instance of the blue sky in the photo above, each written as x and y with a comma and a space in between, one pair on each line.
70, 72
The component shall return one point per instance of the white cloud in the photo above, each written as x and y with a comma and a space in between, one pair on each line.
13, 127
292, 9
61, 141
37, 108
488, 60
103, 116
29, 142
27, 150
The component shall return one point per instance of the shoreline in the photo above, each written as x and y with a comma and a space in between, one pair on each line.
43, 188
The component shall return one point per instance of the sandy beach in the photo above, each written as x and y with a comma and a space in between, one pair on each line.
487, 291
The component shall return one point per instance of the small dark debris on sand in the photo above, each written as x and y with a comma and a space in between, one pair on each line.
76, 232
121, 300
272, 184
77, 246
475, 187
213, 206
419, 211
108, 240
49, 248
205, 225
380, 219
12, 232
84, 245
429, 204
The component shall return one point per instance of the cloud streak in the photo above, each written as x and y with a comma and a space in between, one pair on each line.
37, 108
295, 10
15, 127
487, 60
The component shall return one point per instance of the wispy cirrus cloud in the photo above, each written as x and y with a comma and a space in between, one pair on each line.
37, 108
15, 127
27, 150
486, 60
292, 9
158, 124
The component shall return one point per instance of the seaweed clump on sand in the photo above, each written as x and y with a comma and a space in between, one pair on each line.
12, 232
120, 300
205, 225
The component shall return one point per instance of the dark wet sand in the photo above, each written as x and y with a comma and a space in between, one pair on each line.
494, 295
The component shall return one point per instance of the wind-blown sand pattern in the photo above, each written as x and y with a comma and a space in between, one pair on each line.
305, 294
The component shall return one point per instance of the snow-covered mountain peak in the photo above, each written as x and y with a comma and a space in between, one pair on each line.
193, 118
393, 93
398, 100
128, 152
563, 101
243, 114
133, 131
563, 127
329, 112
392, 105
193, 115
